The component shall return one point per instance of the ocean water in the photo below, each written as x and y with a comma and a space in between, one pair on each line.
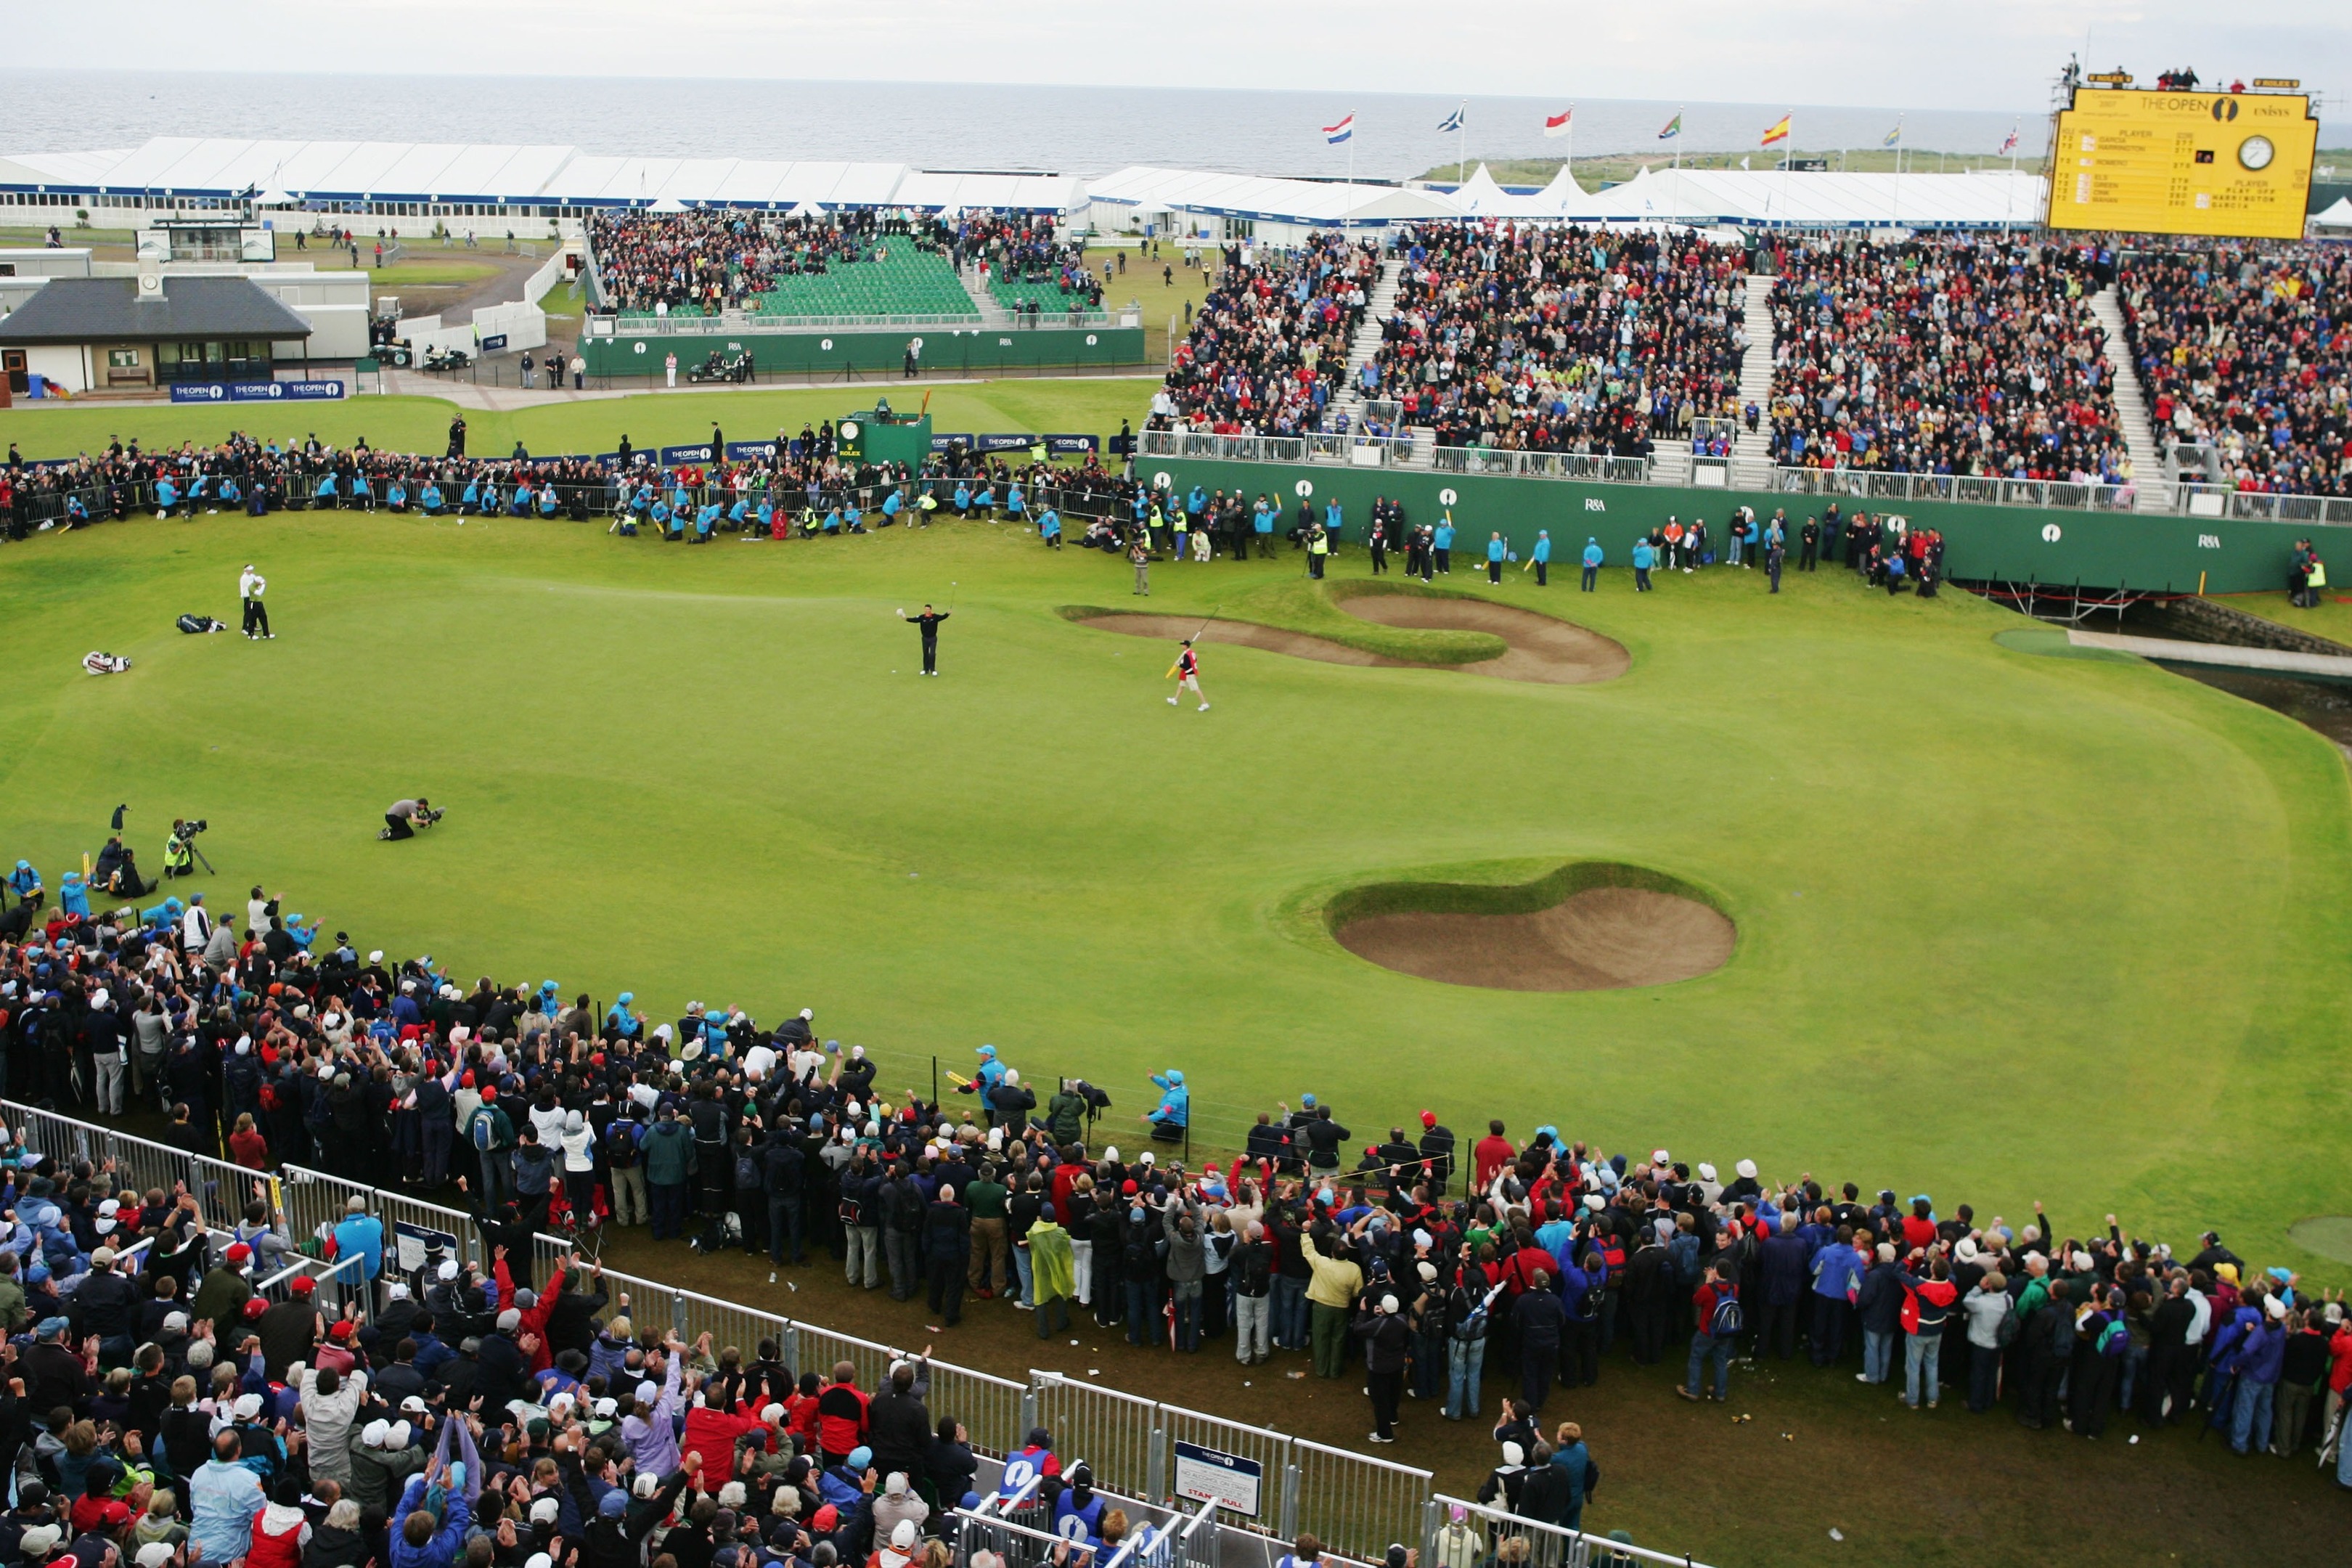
1082, 130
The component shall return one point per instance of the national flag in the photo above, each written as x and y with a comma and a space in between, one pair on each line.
1452, 121
1894, 136
1335, 134
1556, 124
1674, 128
1779, 132
2010, 144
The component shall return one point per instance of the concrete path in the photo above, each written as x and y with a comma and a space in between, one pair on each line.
2278, 661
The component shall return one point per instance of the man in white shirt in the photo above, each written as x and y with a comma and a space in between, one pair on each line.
250, 587
196, 926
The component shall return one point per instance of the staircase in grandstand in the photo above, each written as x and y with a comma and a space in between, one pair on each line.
1751, 453
1347, 409
2147, 454
992, 313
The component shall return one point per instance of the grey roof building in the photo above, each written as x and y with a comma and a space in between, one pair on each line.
133, 334
93, 309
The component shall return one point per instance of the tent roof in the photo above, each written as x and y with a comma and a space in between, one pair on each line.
1257, 197
382, 171
2338, 214
1768, 198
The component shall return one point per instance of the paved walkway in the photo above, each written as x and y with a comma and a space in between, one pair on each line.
2278, 661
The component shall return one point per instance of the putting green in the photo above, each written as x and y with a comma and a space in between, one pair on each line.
2010, 928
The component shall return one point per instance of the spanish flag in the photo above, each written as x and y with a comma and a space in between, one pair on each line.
1779, 133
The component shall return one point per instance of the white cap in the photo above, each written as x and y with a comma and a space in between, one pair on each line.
902, 1535
248, 1406
1388, 1303
448, 1270
1747, 1168
373, 1435
543, 1511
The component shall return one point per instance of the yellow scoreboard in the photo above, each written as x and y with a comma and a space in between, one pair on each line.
2183, 163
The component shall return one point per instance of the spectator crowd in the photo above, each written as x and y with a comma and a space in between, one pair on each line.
2248, 349
166, 1402
1559, 339
1268, 350
1943, 357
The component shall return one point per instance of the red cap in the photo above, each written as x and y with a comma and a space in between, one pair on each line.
1429, 1119
116, 1514
1129, 1189
489, 1093
341, 1331
255, 1305
466, 1081
237, 1252
825, 1519
303, 1285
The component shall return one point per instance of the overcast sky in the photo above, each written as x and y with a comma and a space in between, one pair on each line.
1947, 54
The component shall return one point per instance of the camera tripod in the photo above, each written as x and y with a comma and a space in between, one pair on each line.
190, 845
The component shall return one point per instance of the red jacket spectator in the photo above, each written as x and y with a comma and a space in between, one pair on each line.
711, 1433
1493, 1152
841, 1416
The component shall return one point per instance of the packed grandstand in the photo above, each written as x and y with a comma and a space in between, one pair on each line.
1951, 354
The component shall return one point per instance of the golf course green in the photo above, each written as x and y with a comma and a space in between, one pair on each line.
2008, 928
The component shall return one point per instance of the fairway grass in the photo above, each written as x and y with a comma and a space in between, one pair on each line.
2010, 928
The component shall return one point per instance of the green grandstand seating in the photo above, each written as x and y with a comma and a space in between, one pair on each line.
905, 282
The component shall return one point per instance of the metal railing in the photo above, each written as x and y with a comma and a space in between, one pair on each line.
2188, 499
1356, 1504
2223, 501
1485, 1529
1117, 1433
1587, 467
733, 323
1983, 489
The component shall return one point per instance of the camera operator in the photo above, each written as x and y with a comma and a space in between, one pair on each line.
179, 854
406, 817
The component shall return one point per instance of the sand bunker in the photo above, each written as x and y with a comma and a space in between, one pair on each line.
1601, 939
1539, 648
1247, 634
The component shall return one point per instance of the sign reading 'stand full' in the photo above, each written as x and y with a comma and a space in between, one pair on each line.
1229, 1481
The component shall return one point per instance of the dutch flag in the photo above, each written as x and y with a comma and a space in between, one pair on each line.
1335, 134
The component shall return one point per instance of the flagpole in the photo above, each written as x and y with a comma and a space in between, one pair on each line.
1788, 143
1462, 141
1678, 135
1899, 150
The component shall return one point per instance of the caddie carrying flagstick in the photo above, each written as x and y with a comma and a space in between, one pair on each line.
1187, 672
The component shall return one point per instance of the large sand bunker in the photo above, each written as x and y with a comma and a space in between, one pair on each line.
1541, 648
1584, 928
1247, 634
1538, 647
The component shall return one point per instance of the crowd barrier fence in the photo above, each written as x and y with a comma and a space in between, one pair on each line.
1356, 1504
1549, 1545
